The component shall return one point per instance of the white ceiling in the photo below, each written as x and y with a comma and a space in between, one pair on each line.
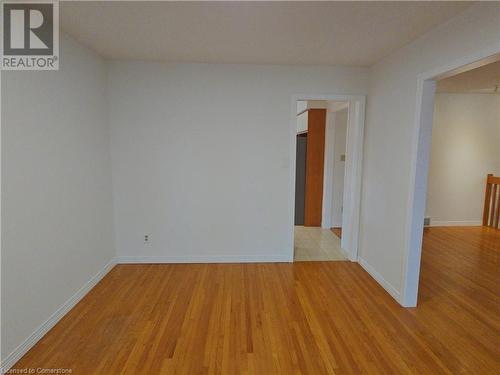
322, 33
484, 79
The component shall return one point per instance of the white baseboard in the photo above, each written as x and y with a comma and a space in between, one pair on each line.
383, 282
469, 223
205, 259
23, 348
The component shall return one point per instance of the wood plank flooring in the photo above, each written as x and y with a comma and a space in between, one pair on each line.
337, 231
303, 318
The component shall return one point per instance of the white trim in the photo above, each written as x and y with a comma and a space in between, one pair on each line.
326, 220
353, 177
419, 168
205, 259
463, 223
337, 106
1, 226
352, 182
420, 153
378, 277
45, 327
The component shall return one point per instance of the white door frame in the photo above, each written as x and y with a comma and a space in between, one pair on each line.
352, 180
330, 134
327, 221
426, 83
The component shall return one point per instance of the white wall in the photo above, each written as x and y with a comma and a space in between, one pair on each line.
317, 104
335, 146
390, 135
302, 121
326, 212
56, 188
201, 156
301, 106
465, 148
339, 149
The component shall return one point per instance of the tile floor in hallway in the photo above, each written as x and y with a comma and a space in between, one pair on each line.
315, 244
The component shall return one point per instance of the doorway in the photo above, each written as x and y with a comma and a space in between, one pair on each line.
427, 83
327, 138
321, 131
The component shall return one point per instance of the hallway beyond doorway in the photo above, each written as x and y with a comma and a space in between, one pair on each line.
315, 244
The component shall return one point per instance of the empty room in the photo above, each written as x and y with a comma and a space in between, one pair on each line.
250, 187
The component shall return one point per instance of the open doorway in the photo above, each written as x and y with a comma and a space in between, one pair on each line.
352, 175
319, 179
453, 198
465, 148
327, 146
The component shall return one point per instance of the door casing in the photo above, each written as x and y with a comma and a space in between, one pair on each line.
353, 166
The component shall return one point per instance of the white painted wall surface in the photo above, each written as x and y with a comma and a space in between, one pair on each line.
465, 148
390, 135
334, 170
201, 156
56, 188
317, 104
302, 121
339, 149
301, 106
326, 211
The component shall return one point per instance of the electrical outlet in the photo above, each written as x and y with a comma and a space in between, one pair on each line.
146, 238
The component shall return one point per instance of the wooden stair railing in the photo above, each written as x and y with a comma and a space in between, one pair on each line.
491, 212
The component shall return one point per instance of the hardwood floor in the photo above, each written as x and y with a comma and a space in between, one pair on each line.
337, 231
303, 318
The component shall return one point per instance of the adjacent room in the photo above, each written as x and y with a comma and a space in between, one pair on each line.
242, 187
461, 240
465, 147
